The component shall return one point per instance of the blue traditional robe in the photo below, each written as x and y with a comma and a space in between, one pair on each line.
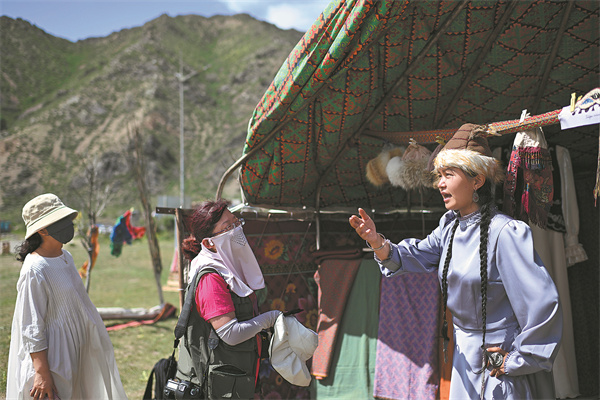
523, 313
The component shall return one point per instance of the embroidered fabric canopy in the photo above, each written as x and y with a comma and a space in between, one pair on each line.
369, 73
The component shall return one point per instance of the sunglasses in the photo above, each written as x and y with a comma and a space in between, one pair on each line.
233, 225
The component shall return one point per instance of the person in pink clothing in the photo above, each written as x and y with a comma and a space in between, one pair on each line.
226, 306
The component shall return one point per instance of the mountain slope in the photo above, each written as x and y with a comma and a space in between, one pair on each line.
66, 104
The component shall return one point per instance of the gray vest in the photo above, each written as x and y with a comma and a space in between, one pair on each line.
230, 370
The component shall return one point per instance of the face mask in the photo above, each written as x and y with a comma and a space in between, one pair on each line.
238, 258
62, 230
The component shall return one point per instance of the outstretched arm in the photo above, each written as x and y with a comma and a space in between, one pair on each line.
365, 228
234, 332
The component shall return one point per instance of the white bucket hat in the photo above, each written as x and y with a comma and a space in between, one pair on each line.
44, 210
292, 345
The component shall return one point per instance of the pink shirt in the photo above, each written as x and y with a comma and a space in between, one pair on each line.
212, 297
213, 300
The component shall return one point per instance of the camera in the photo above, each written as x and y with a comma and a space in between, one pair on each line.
182, 390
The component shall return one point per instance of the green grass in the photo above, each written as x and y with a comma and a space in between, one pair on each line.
126, 281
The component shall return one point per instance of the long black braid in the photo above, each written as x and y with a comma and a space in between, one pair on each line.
445, 290
484, 225
486, 202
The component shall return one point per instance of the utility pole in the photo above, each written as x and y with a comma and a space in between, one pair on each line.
181, 78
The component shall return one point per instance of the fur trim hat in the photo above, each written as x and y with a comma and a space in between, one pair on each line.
376, 173
469, 151
410, 171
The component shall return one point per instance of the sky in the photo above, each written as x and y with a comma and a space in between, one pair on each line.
81, 19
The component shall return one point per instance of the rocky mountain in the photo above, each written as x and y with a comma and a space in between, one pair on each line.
67, 107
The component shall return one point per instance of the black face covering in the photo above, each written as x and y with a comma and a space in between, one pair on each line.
62, 230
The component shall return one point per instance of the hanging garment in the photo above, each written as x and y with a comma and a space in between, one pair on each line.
556, 219
549, 245
528, 188
119, 235
407, 344
573, 249
137, 232
334, 279
353, 363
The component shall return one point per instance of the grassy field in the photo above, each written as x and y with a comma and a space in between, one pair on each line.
126, 281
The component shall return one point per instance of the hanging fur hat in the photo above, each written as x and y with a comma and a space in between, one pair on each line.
469, 151
376, 173
410, 170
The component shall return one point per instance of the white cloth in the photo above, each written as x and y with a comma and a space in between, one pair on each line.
234, 260
291, 346
579, 117
573, 249
555, 255
531, 138
549, 245
54, 312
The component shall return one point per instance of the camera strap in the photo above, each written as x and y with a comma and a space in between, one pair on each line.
184, 316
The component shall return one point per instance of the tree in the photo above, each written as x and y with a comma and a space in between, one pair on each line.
137, 165
95, 187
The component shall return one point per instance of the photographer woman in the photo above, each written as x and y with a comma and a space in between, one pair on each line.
222, 347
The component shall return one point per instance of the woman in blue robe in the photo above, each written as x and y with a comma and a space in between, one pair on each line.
506, 313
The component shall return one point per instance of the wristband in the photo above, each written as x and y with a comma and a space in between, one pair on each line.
380, 247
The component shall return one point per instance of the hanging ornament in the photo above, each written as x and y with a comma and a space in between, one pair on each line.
410, 171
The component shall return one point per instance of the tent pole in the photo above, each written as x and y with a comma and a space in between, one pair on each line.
318, 228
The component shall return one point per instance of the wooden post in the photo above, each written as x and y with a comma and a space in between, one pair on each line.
180, 261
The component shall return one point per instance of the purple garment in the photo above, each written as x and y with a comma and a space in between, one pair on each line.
406, 363
523, 311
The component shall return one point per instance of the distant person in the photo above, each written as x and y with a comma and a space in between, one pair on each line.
225, 307
505, 308
59, 346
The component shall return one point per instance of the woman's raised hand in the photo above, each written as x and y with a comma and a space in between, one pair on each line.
365, 227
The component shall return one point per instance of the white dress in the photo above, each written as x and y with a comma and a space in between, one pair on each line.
54, 312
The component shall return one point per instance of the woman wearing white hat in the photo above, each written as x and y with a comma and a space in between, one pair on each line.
59, 346
506, 312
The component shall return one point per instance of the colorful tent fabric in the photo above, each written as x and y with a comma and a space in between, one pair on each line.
370, 66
